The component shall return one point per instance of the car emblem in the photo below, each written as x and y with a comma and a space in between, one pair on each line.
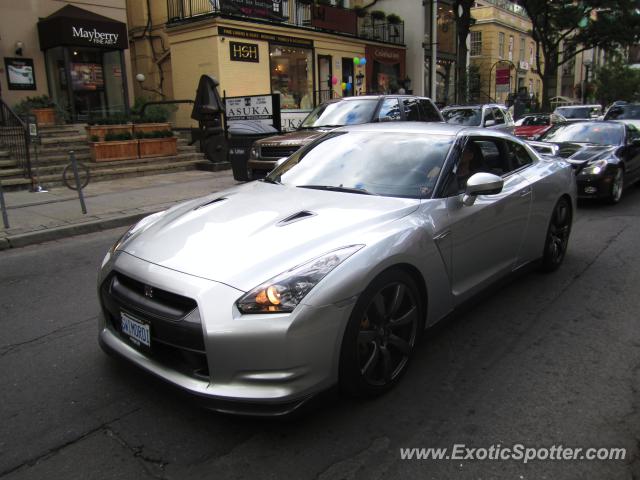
148, 291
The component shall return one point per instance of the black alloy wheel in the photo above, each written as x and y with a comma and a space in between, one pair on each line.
557, 240
617, 186
381, 335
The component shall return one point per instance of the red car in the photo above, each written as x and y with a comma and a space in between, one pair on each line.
531, 126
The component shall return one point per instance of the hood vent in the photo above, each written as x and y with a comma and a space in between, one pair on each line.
211, 202
301, 215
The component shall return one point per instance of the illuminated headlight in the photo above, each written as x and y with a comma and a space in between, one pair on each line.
595, 168
284, 292
254, 152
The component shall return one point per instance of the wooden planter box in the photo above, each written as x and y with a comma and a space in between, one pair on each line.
158, 147
116, 150
44, 116
151, 127
101, 130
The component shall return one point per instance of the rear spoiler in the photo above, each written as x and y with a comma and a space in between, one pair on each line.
545, 148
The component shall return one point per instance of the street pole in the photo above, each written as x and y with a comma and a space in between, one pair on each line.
434, 48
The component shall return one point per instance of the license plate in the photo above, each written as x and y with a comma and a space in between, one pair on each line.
138, 332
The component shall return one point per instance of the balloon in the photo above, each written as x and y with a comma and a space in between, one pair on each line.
349, 86
334, 80
363, 61
344, 86
356, 61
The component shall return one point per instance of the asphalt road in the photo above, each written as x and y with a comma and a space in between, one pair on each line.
543, 360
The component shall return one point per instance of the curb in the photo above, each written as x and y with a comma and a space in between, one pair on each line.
56, 233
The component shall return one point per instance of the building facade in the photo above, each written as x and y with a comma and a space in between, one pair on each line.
503, 52
75, 52
305, 52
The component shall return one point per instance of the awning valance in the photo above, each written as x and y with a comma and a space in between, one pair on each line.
73, 26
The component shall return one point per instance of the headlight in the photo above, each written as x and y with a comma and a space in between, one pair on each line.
284, 292
594, 168
254, 152
135, 229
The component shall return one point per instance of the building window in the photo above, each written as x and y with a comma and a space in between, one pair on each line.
291, 76
500, 45
531, 54
522, 48
476, 44
511, 48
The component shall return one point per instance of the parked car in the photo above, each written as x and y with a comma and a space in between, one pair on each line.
626, 113
532, 125
577, 113
488, 116
606, 155
259, 297
337, 113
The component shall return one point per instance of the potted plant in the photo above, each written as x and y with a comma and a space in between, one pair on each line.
152, 118
378, 15
360, 11
159, 143
116, 146
393, 19
114, 124
42, 107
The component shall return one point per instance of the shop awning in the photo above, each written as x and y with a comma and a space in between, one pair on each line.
73, 26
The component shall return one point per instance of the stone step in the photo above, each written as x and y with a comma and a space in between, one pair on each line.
44, 150
4, 153
16, 183
67, 139
10, 172
8, 163
60, 133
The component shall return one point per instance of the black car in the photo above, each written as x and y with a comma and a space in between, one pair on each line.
606, 155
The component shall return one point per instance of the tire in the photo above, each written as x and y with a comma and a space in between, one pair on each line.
68, 177
381, 335
617, 187
557, 239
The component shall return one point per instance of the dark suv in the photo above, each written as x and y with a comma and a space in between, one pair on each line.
338, 113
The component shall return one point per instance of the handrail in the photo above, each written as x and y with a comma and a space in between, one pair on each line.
14, 135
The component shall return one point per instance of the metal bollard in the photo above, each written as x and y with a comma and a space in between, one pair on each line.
3, 207
74, 165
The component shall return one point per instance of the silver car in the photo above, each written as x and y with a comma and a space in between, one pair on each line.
489, 115
328, 270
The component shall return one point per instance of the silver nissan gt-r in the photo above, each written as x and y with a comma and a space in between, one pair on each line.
327, 271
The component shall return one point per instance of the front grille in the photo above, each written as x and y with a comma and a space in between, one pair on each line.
175, 341
278, 151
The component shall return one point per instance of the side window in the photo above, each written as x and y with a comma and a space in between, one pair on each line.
517, 156
478, 155
499, 116
428, 111
488, 115
411, 109
389, 111
632, 133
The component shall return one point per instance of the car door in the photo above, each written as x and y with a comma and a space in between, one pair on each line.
411, 109
632, 153
486, 237
501, 120
487, 117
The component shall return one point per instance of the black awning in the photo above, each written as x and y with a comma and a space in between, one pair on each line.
73, 26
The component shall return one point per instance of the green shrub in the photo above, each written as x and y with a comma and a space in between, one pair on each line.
25, 106
360, 11
117, 137
155, 134
153, 113
378, 15
393, 19
95, 138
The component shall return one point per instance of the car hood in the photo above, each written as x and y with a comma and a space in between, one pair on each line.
529, 130
299, 137
579, 153
242, 238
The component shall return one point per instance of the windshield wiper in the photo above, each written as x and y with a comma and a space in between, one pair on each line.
334, 188
270, 180
329, 126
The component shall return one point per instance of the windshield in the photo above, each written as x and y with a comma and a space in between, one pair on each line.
585, 132
623, 112
536, 121
574, 112
463, 116
337, 114
381, 163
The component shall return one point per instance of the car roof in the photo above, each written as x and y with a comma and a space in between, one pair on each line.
373, 97
425, 128
479, 105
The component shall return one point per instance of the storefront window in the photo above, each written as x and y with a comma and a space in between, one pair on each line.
57, 77
386, 77
292, 76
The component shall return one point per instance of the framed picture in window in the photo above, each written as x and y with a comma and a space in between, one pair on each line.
20, 73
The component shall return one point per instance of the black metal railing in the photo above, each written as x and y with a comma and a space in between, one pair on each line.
14, 136
293, 13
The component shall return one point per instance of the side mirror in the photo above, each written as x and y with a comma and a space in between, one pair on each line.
481, 184
489, 123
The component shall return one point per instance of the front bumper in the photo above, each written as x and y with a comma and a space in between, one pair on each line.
594, 186
265, 364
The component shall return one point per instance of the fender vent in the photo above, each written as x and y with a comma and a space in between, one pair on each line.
301, 215
211, 202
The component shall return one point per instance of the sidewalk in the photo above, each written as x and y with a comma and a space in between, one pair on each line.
41, 217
